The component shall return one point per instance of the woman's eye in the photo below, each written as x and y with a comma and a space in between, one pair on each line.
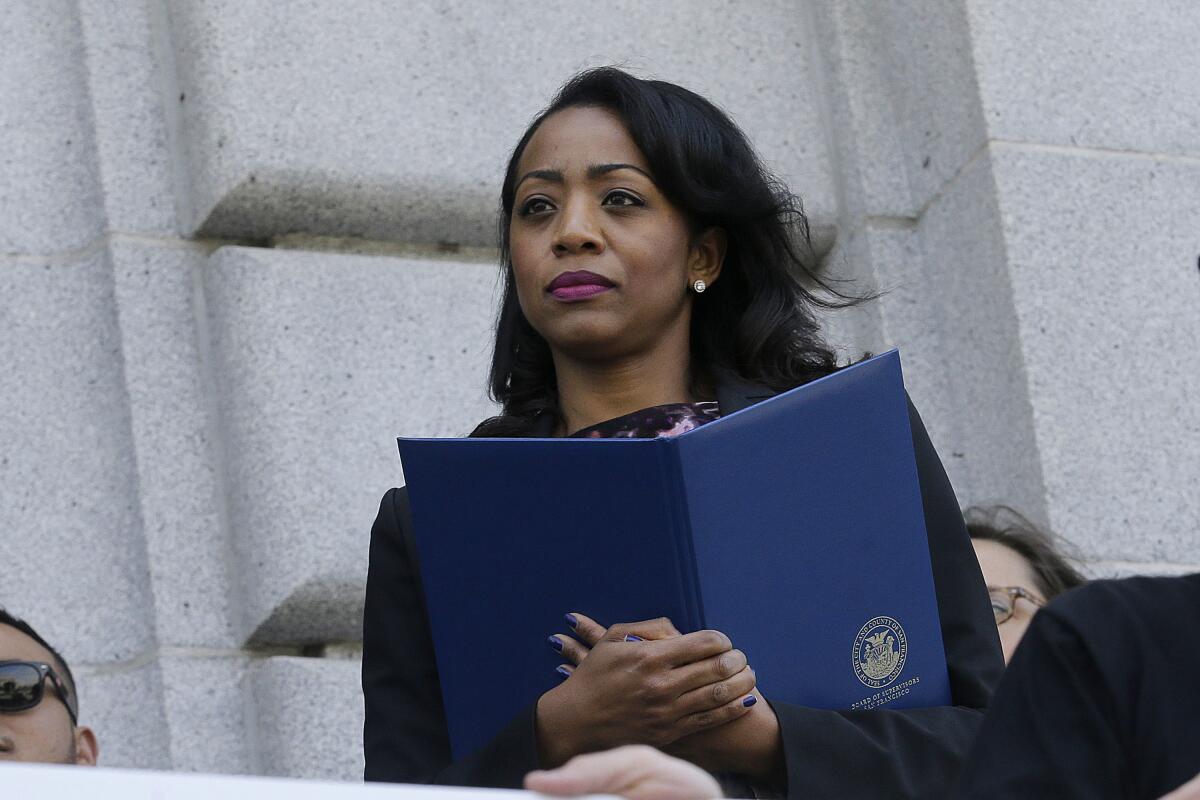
619, 198
535, 205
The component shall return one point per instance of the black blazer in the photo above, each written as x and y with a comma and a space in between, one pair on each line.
881, 753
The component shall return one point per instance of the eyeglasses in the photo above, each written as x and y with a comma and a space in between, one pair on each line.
23, 685
1004, 600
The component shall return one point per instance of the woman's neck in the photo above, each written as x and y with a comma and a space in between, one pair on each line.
590, 393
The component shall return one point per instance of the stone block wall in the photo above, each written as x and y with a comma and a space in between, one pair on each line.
245, 244
1021, 181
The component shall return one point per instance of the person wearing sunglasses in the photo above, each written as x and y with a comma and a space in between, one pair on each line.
1023, 568
39, 709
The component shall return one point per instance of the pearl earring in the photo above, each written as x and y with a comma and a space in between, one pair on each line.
699, 286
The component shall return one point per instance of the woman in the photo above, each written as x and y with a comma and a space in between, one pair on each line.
652, 283
1022, 567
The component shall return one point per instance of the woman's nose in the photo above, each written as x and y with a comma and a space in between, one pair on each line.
577, 233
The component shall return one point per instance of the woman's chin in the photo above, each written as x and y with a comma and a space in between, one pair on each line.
590, 340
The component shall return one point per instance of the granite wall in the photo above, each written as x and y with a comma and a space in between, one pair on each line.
245, 244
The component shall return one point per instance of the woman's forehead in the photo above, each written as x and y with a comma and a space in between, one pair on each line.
573, 139
1003, 566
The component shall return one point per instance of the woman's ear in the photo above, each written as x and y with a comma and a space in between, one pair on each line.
708, 255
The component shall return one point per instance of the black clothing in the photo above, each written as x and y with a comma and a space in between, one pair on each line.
1100, 700
883, 753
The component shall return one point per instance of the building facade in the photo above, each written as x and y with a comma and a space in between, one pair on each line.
245, 244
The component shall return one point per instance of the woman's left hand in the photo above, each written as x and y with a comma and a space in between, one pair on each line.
750, 745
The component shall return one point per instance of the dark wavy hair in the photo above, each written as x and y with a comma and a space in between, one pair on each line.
1043, 551
756, 322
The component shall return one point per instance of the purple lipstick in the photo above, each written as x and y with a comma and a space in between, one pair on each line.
579, 285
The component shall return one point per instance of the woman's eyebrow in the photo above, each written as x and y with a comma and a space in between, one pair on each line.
552, 175
597, 170
594, 171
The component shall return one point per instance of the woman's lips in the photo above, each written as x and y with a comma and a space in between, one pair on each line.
578, 285
579, 292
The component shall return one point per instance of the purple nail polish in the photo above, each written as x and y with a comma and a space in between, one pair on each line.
572, 621
556, 643
563, 672
749, 701
631, 638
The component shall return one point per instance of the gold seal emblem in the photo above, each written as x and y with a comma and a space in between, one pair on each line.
880, 650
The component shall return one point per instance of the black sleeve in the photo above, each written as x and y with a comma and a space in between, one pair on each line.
916, 752
404, 737
1051, 732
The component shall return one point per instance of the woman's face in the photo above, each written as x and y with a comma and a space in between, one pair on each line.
1002, 567
602, 260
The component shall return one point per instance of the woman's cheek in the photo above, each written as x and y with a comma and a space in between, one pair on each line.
1010, 635
527, 293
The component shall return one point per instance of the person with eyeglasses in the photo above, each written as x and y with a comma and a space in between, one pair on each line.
1099, 703
1023, 567
39, 708
1100, 700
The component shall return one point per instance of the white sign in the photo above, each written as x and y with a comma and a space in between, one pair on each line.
45, 782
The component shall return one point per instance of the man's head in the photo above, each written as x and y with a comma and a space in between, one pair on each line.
46, 731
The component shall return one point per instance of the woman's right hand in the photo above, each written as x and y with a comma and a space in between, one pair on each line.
654, 689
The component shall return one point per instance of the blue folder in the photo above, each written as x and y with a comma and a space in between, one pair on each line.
795, 526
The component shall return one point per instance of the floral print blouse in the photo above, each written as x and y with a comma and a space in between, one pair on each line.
671, 419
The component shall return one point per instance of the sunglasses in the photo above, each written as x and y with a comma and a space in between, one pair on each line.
23, 685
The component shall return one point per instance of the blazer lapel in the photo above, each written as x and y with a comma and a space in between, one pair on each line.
543, 426
734, 394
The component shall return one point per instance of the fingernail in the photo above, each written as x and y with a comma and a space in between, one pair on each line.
631, 638
749, 701
572, 621
563, 671
556, 643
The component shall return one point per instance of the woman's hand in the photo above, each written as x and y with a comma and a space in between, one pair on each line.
641, 683
636, 772
750, 744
